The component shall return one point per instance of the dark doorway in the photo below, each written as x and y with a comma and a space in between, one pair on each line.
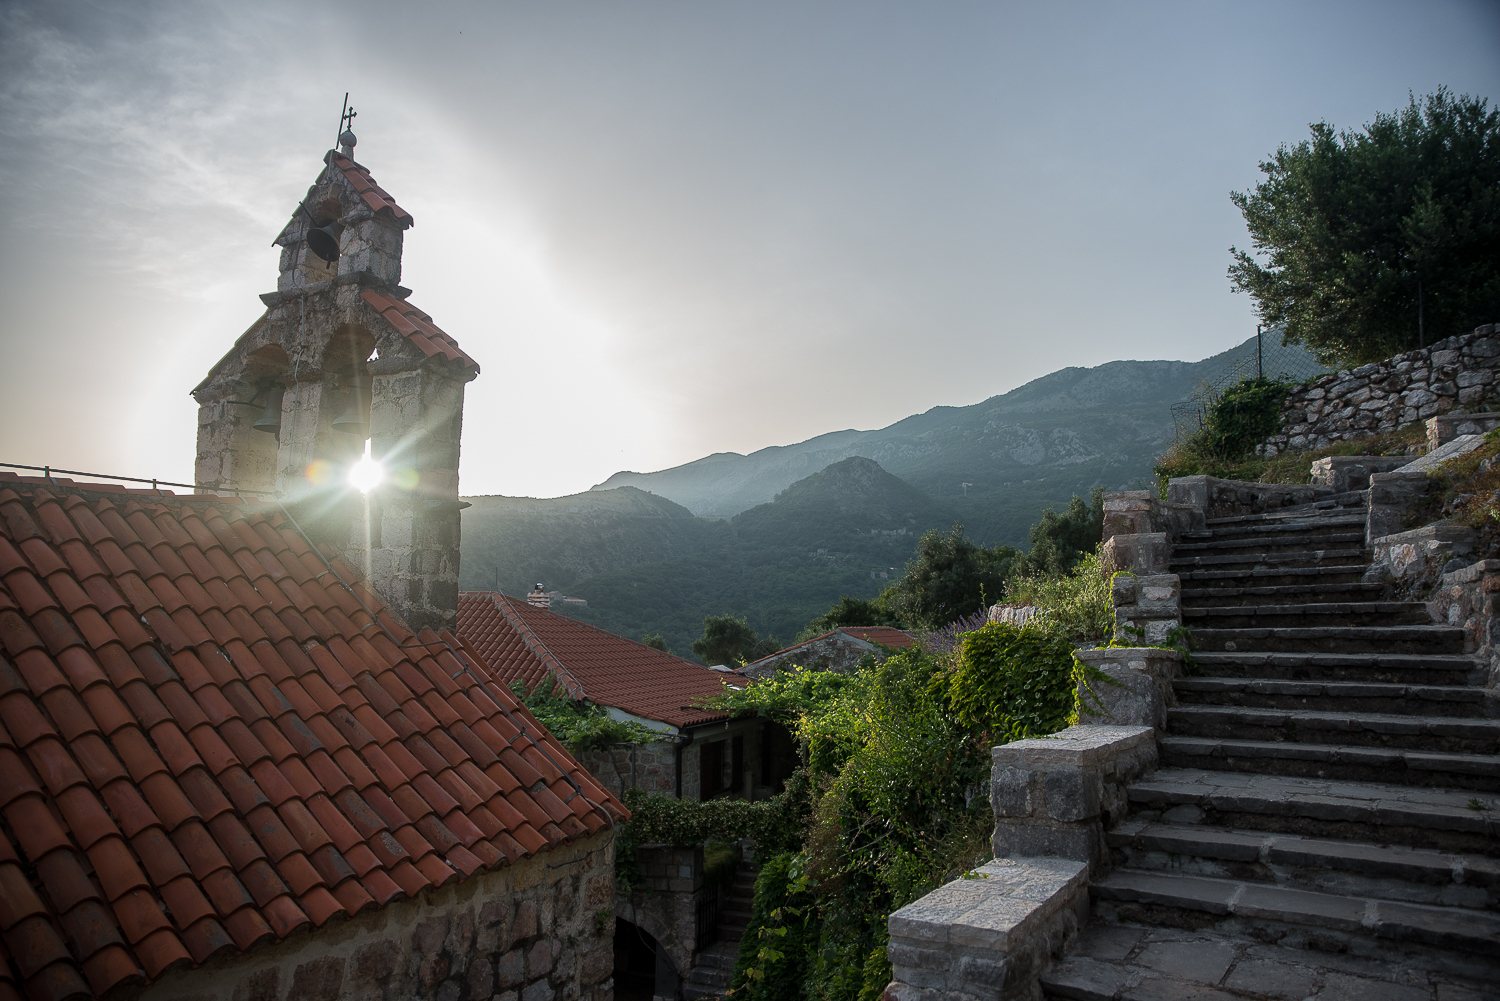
737, 766
778, 755
635, 963
711, 770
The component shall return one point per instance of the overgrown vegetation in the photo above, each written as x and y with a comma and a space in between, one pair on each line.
1076, 605
580, 728
1195, 454
951, 578
1466, 490
1368, 236
897, 763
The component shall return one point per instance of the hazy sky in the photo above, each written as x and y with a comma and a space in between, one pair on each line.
663, 229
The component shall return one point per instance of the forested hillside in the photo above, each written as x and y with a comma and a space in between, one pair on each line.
778, 564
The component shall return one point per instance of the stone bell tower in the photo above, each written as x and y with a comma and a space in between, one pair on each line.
339, 358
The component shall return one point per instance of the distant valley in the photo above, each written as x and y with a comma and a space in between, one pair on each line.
779, 534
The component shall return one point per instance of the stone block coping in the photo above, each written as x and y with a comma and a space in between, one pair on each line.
1080, 746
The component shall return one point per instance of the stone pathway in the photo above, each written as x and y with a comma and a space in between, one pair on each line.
1326, 818
1136, 963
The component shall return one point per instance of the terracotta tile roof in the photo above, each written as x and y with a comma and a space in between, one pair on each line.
522, 642
417, 327
209, 742
884, 635
373, 194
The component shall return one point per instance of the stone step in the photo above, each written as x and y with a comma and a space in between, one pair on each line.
1422, 669
1348, 868
1403, 731
1443, 769
1342, 556
721, 955
1299, 542
1232, 594
706, 983
1125, 962
1334, 506
1230, 528
1442, 819
1275, 913
1359, 696
1323, 613
1349, 573
1333, 639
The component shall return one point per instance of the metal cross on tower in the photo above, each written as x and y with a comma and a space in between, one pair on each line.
346, 116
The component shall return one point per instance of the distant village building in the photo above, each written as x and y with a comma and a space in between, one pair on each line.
243, 754
702, 753
839, 650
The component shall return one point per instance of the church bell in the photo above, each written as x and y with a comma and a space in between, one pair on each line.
324, 242
270, 421
356, 416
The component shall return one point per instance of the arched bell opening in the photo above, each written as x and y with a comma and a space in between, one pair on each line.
248, 426
346, 356
321, 239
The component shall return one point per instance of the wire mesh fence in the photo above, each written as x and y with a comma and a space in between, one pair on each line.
1266, 356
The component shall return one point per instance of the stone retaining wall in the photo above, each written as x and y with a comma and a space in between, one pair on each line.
1454, 374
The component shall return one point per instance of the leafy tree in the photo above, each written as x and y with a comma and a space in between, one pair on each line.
1364, 231
656, 641
1059, 541
730, 640
949, 577
849, 611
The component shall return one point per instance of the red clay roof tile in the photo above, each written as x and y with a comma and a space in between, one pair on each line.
523, 643
265, 798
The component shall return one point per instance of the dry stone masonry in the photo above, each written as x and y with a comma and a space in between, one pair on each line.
1457, 374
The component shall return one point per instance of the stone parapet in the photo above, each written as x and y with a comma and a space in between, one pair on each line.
1141, 512
1352, 472
1139, 689
1217, 498
1457, 374
1470, 598
1446, 427
1147, 609
988, 936
1410, 554
1146, 553
1055, 796
1392, 497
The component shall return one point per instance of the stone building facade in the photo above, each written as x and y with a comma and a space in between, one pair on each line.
538, 930
1454, 375
339, 358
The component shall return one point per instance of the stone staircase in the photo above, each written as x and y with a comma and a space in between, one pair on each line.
1329, 789
713, 966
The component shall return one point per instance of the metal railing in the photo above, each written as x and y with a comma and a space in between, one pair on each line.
156, 484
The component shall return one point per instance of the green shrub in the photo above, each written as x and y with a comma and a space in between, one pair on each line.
1247, 414
1076, 605
1012, 682
580, 728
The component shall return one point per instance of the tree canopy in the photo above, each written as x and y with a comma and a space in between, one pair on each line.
1362, 230
729, 640
948, 578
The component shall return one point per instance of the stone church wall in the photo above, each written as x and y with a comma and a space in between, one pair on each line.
539, 930
1459, 373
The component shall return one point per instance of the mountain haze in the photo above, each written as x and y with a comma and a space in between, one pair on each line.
1035, 445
